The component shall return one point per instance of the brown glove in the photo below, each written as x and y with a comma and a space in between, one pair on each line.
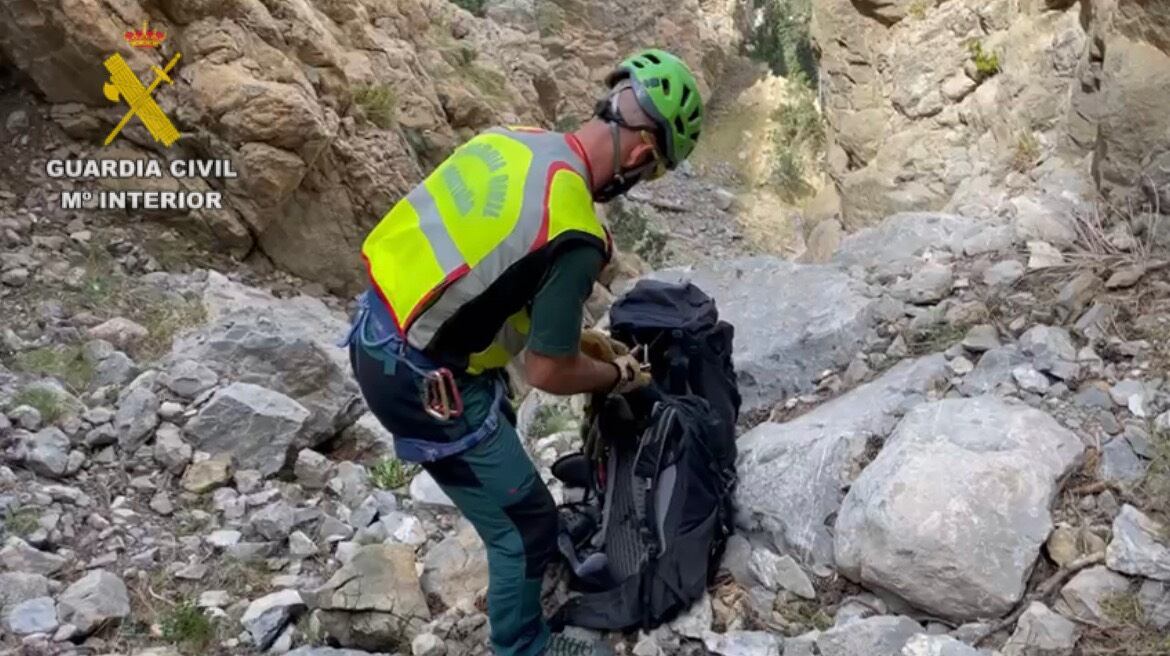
601, 346
631, 376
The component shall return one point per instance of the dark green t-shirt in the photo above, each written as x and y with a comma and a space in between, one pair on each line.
558, 305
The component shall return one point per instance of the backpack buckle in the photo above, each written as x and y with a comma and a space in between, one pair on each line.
441, 396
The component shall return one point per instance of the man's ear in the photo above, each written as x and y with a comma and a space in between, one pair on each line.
640, 154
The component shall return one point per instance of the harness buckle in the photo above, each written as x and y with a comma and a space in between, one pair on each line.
441, 396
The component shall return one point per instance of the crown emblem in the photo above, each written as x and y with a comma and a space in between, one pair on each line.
144, 37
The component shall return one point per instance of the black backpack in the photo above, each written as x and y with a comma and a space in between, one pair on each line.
647, 540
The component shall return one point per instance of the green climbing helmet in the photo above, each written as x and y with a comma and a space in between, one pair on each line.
667, 92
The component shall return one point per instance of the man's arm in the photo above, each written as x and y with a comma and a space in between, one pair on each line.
553, 361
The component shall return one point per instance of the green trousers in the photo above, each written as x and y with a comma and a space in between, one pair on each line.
494, 485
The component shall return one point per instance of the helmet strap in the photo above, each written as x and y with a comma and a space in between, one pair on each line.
623, 179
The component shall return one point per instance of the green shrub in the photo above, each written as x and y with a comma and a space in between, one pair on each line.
1026, 153
799, 121
378, 102
549, 420
781, 37
474, 6
21, 522
917, 9
392, 473
986, 63
188, 627
633, 232
61, 362
788, 174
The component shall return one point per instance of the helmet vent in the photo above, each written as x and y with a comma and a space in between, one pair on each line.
666, 86
653, 58
695, 114
685, 96
638, 64
678, 125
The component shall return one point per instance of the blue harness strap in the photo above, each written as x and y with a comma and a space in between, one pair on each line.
374, 329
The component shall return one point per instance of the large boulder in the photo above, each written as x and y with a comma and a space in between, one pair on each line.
792, 321
374, 600
94, 600
793, 475
257, 427
456, 568
902, 238
951, 514
286, 345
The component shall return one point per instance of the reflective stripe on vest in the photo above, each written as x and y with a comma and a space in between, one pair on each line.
498, 198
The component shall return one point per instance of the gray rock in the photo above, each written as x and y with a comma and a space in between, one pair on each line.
17, 121
98, 416
273, 522
874, 636
97, 598
18, 587
1132, 394
334, 530
119, 331
914, 521
206, 475
424, 490
1042, 255
161, 503
19, 556
1084, 595
136, 417
993, 370
267, 616
696, 620
1095, 323
1048, 346
313, 469
352, 483
980, 338
930, 284
286, 345
170, 450
1139, 546
48, 453
743, 643
103, 435
254, 425
223, 538
188, 379
115, 369
737, 557
1038, 217
456, 568
1003, 273
403, 529
802, 645
1041, 632
369, 437
373, 600
330, 651
1091, 395
1120, 463
938, 645
900, 239
15, 277
247, 480
793, 321
427, 644
1154, 598
1030, 380
214, 599
780, 572
37, 615
300, 545
793, 474
170, 411
1077, 293
26, 417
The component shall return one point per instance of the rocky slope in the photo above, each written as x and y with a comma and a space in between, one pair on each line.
332, 110
1018, 105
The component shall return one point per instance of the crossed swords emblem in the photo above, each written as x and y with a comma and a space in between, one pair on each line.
125, 85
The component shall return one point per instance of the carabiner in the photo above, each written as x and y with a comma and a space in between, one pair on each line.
441, 395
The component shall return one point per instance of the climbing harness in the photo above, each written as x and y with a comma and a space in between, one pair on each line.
373, 329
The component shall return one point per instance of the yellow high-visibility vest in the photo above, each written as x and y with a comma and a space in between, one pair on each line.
503, 196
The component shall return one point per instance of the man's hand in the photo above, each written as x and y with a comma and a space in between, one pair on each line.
600, 346
630, 374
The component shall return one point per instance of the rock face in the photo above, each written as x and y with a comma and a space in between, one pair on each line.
792, 475
868, 637
266, 616
320, 157
256, 426
1048, 88
1139, 546
456, 568
373, 600
792, 321
285, 345
952, 513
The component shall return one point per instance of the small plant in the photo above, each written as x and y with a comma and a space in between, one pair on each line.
378, 102
392, 473
188, 627
474, 6
633, 232
917, 9
937, 337
549, 420
781, 37
47, 403
805, 615
788, 174
21, 522
567, 124
1026, 153
799, 122
986, 63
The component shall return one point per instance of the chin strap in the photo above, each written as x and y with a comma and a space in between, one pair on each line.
623, 179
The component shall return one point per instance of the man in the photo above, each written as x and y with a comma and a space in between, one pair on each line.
496, 253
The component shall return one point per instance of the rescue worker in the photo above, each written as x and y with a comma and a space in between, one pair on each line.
496, 253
